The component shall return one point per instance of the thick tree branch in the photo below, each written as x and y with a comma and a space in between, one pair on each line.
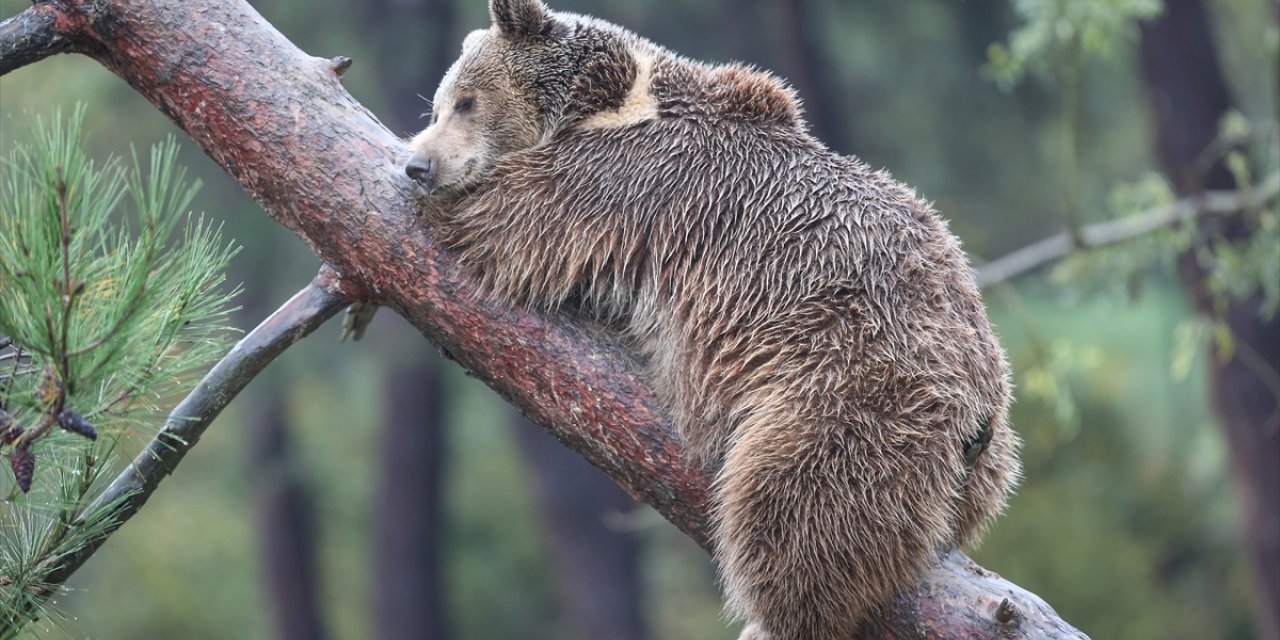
280, 123
1054, 248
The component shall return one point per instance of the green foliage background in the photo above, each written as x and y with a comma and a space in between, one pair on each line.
1126, 521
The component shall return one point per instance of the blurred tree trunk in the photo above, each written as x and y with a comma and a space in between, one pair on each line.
286, 527
1188, 96
410, 511
801, 53
980, 23
739, 30
597, 566
417, 43
413, 50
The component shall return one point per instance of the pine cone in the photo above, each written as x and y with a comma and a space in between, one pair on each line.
24, 467
75, 423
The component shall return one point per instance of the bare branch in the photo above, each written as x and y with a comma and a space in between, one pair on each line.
33, 35
1054, 248
296, 319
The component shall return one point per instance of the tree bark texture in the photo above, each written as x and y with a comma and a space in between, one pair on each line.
280, 123
1188, 97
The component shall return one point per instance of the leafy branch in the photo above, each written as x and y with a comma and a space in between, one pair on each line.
1054, 43
1054, 248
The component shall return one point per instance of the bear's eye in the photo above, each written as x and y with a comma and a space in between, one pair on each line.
464, 105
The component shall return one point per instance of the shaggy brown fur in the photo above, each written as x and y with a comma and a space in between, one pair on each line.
810, 321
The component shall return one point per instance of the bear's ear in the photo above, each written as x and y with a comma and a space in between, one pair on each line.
520, 18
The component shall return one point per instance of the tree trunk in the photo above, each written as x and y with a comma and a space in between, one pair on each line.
801, 53
416, 45
1188, 97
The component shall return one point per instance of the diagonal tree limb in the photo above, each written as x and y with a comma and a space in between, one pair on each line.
1045, 252
280, 123
126, 494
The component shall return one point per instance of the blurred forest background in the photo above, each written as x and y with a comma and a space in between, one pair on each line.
372, 490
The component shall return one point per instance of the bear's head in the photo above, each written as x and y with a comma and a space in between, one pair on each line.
530, 75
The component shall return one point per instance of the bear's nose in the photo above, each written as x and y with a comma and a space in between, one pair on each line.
419, 170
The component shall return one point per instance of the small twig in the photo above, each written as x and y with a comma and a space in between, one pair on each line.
1052, 249
1007, 613
54, 412
33, 434
126, 494
68, 293
59, 337
340, 64
1222, 144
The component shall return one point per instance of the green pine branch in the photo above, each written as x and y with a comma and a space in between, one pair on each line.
106, 311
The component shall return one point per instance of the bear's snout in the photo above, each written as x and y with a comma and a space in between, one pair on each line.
419, 170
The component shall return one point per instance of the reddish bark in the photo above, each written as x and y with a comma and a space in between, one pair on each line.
280, 123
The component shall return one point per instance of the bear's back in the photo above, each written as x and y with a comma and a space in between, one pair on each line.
765, 206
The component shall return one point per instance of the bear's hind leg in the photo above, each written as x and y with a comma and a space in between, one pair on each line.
815, 527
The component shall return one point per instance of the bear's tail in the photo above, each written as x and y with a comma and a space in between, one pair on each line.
817, 525
993, 472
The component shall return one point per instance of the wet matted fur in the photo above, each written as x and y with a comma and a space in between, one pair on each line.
812, 324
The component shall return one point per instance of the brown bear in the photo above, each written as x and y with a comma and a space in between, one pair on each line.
811, 323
